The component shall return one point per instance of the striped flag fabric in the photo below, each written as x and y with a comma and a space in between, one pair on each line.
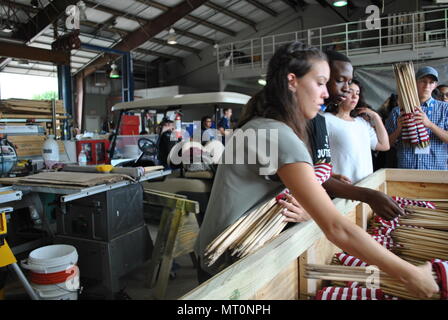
323, 171
350, 261
346, 293
403, 202
440, 267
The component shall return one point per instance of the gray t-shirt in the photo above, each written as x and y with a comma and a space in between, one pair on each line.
239, 188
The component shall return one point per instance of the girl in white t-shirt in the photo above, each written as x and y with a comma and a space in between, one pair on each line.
352, 136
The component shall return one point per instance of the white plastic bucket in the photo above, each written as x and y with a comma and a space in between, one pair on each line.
52, 264
50, 259
58, 291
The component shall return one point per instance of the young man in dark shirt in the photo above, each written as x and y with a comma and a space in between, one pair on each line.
341, 74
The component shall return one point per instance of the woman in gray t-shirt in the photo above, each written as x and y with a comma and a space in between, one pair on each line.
269, 152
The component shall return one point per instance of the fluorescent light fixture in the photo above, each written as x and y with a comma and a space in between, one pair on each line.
34, 4
114, 74
262, 82
172, 37
82, 11
339, 3
23, 62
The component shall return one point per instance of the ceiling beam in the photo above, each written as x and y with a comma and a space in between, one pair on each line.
136, 38
44, 18
191, 18
231, 14
263, 7
194, 36
143, 21
290, 3
157, 54
21, 51
177, 46
114, 12
154, 40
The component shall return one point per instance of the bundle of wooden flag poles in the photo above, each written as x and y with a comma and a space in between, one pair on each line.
257, 227
418, 236
413, 133
250, 232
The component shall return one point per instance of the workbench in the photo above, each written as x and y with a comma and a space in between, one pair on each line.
105, 224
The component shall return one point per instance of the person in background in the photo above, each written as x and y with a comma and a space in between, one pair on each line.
207, 133
386, 159
165, 143
434, 116
224, 124
352, 137
295, 90
441, 93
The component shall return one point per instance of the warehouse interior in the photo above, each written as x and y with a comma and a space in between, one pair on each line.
81, 167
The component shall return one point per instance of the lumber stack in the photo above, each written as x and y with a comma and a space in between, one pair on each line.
30, 109
413, 132
29, 146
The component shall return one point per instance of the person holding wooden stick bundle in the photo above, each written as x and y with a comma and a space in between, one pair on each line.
295, 90
434, 116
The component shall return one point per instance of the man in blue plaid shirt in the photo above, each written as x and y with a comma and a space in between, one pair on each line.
434, 116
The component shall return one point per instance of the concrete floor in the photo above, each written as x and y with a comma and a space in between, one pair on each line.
134, 282
185, 280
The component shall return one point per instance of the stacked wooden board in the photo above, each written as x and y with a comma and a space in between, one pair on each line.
30, 146
30, 109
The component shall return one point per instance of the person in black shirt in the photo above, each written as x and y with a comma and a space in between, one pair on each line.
165, 143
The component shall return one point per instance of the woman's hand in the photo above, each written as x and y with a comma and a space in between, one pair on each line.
292, 210
342, 178
422, 283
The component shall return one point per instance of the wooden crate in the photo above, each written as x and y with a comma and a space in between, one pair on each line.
275, 271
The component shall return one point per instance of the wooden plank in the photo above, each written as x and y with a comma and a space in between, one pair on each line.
417, 189
27, 116
322, 252
363, 214
440, 176
303, 283
186, 235
285, 286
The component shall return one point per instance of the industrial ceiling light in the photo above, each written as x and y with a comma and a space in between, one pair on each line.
34, 4
262, 82
82, 11
339, 3
23, 61
172, 37
7, 27
114, 74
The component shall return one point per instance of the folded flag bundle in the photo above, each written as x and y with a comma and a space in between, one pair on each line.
363, 275
425, 241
